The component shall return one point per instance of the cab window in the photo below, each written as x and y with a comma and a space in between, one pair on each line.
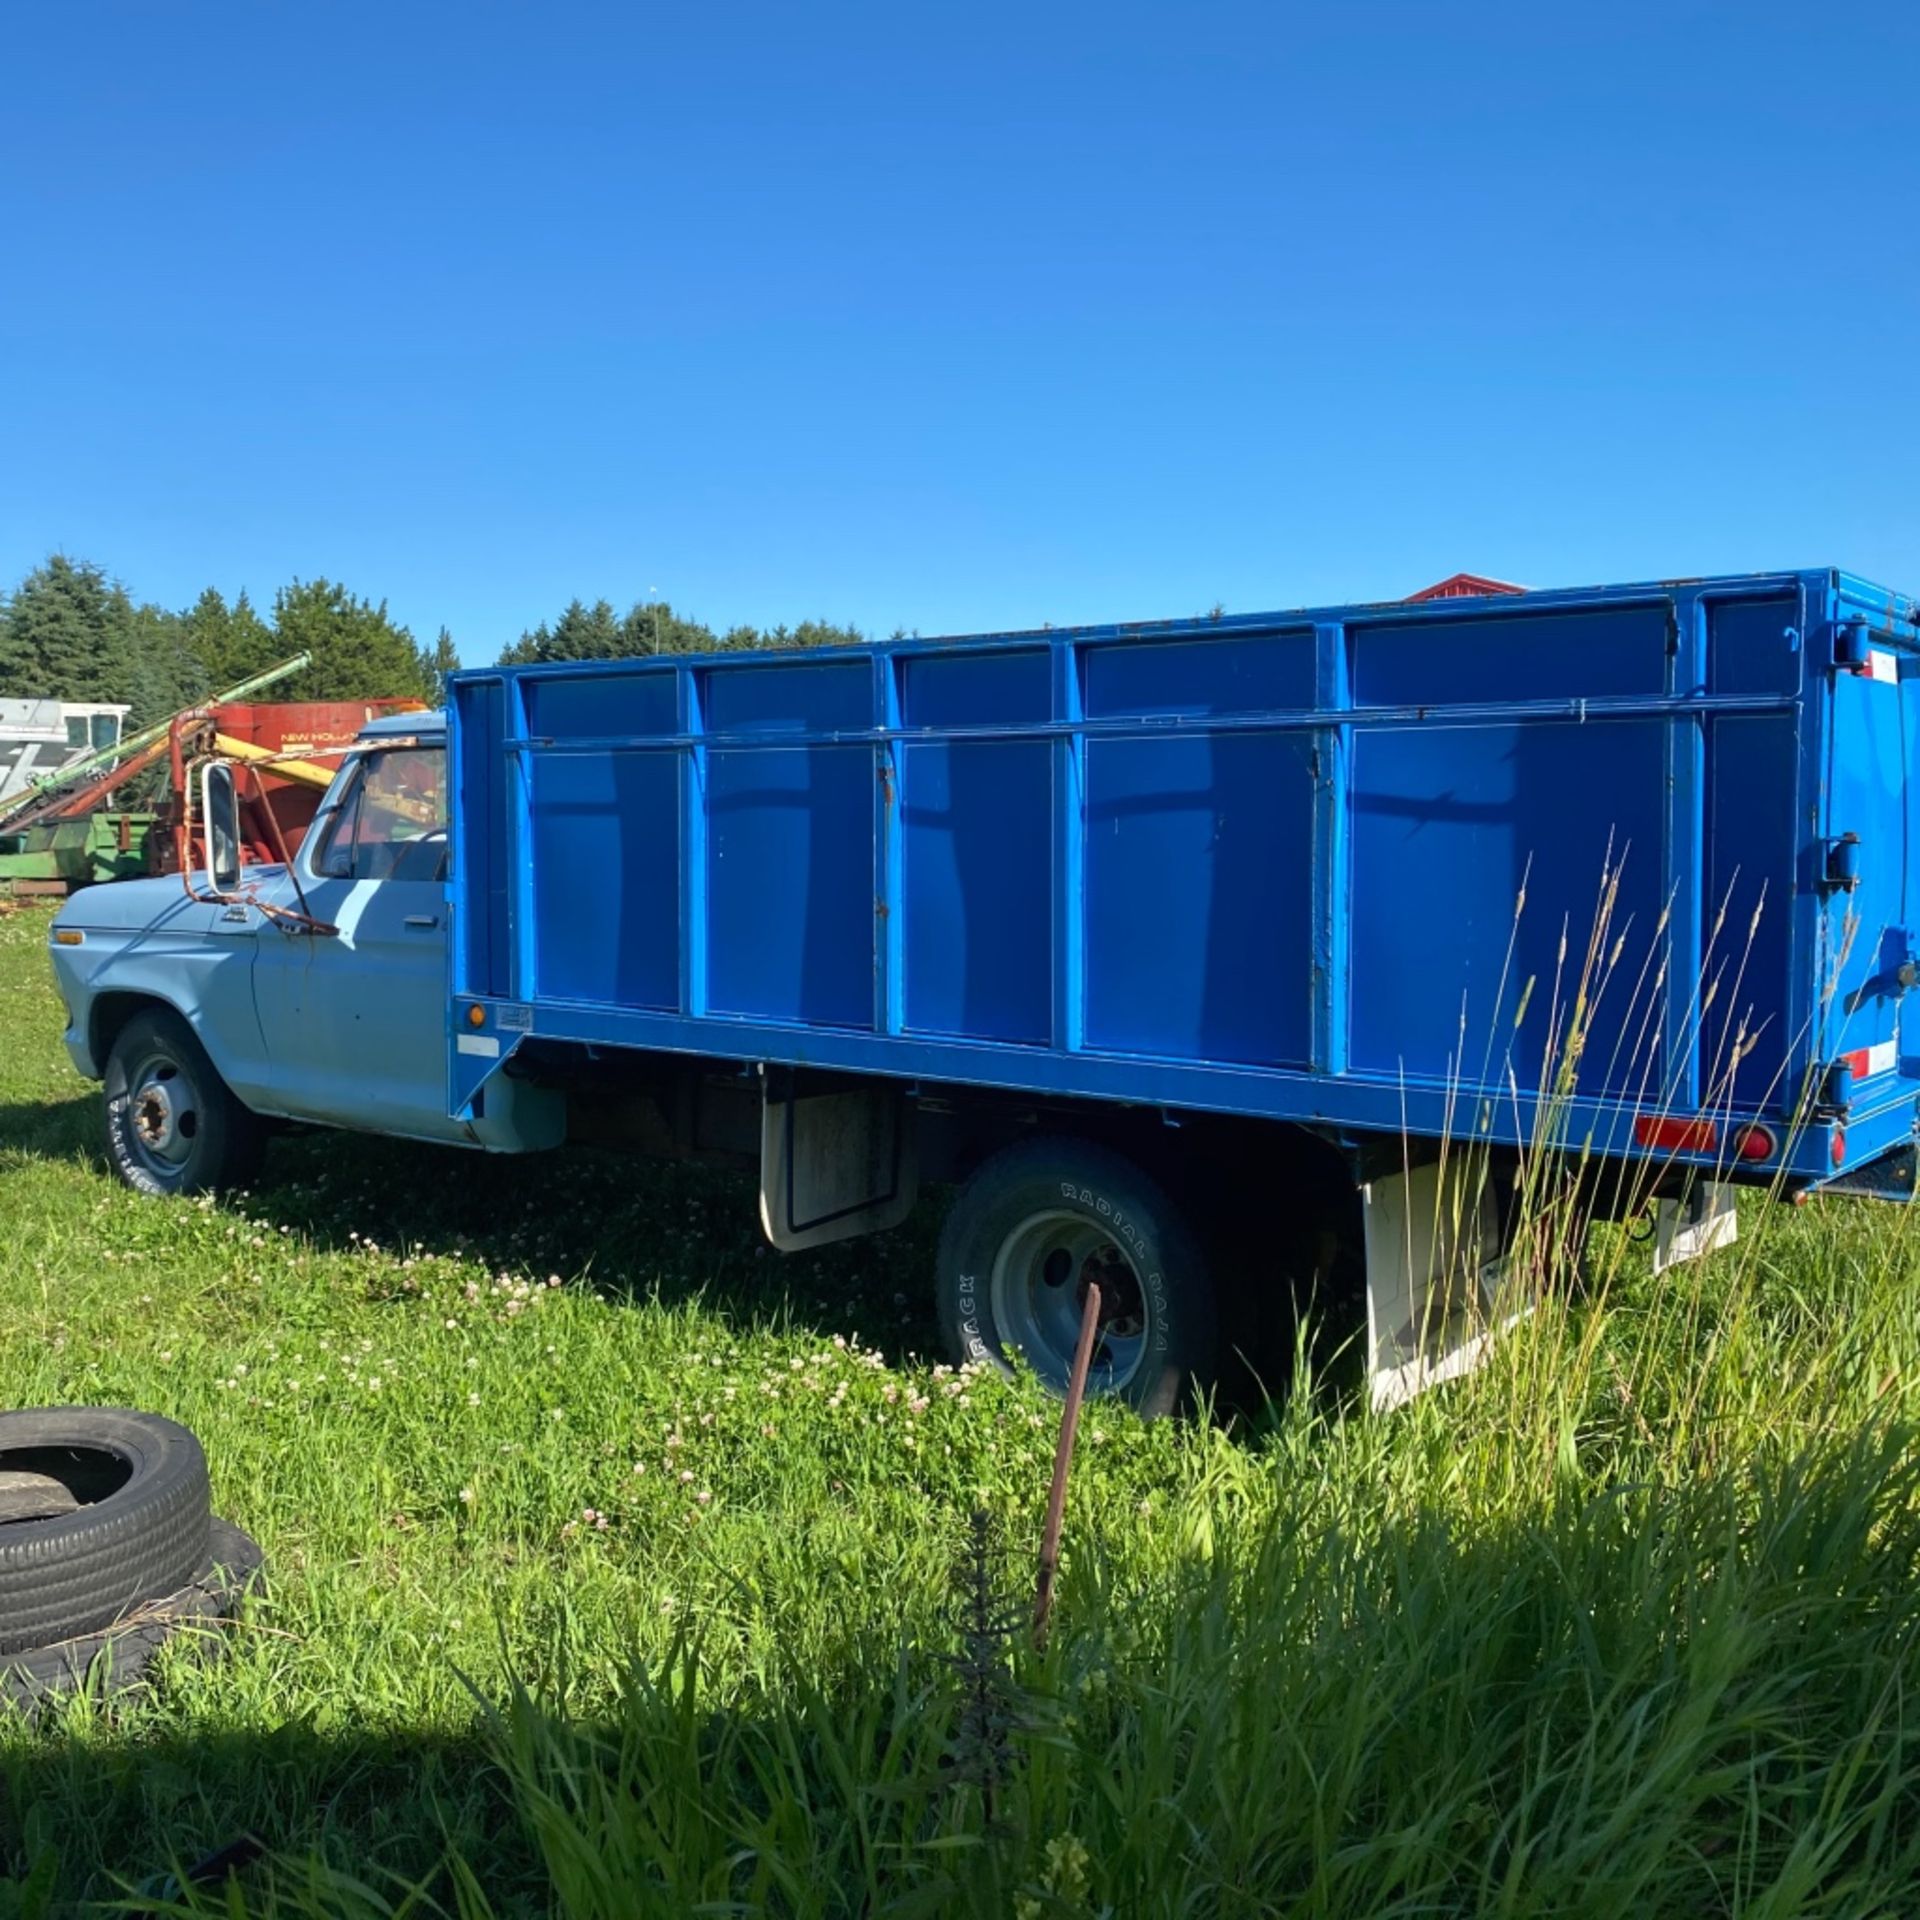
391, 822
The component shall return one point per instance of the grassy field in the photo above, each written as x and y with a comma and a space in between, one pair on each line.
621, 1567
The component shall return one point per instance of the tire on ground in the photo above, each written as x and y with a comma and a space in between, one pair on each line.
120, 1659
138, 1530
173, 1125
1038, 1220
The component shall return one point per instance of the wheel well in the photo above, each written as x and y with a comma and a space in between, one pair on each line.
109, 1015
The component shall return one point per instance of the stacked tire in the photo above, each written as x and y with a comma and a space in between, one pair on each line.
108, 1549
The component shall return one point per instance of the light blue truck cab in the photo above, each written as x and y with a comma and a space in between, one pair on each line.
347, 1028
1216, 959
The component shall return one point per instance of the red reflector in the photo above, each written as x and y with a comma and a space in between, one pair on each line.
1671, 1134
1839, 1148
1755, 1143
1858, 1063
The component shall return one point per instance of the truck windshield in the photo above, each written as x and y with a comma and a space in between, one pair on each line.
391, 823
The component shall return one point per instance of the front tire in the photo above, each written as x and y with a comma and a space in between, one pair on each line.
173, 1126
1031, 1228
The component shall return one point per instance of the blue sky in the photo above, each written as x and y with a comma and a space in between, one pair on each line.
954, 317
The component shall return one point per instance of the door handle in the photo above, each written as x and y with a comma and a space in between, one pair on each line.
423, 920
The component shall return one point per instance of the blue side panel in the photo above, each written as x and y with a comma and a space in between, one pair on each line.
582, 706
976, 689
1204, 676
604, 839
606, 876
1751, 1041
480, 826
1751, 855
790, 882
807, 697
1199, 902
1574, 656
1755, 646
977, 868
977, 880
1449, 824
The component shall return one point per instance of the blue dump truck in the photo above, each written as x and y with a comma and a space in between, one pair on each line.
1215, 960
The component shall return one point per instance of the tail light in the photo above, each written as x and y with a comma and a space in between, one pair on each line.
1669, 1133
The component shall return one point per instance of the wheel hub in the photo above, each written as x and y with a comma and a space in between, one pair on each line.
1039, 1290
153, 1115
163, 1115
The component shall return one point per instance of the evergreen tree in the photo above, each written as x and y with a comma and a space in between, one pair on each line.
653, 627
358, 652
437, 661
67, 633
164, 673
230, 643
809, 633
581, 633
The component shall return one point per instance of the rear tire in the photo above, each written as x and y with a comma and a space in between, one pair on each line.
173, 1125
1031, 1228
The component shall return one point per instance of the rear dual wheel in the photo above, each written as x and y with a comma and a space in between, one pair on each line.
1039, 1224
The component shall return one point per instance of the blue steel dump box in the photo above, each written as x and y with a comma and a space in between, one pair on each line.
1636, 863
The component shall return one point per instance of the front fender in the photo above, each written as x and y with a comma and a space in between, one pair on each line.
187, 957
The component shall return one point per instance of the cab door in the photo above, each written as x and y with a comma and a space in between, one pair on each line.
355, 1021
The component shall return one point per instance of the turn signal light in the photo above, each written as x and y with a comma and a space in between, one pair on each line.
1755, 1143
476, 1016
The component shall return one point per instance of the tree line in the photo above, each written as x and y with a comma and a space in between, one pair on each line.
70, 631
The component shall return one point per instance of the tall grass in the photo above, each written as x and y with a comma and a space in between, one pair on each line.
1671, 1702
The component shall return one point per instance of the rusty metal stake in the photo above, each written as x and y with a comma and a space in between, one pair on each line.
1062, 1460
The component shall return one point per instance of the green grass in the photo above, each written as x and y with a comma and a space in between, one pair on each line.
621, 1567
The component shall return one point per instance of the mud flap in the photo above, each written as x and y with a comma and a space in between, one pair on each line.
1433, 1275
1686, 1229
834, 1164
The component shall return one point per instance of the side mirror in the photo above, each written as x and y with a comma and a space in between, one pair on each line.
220, 822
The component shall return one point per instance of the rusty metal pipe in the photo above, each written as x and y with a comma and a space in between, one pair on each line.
1062, 1460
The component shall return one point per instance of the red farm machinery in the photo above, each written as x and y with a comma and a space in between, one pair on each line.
123, 811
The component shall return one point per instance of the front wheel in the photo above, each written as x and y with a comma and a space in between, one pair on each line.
173, 1126
1032, 1228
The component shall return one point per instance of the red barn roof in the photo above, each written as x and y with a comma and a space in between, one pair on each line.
1463, 586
